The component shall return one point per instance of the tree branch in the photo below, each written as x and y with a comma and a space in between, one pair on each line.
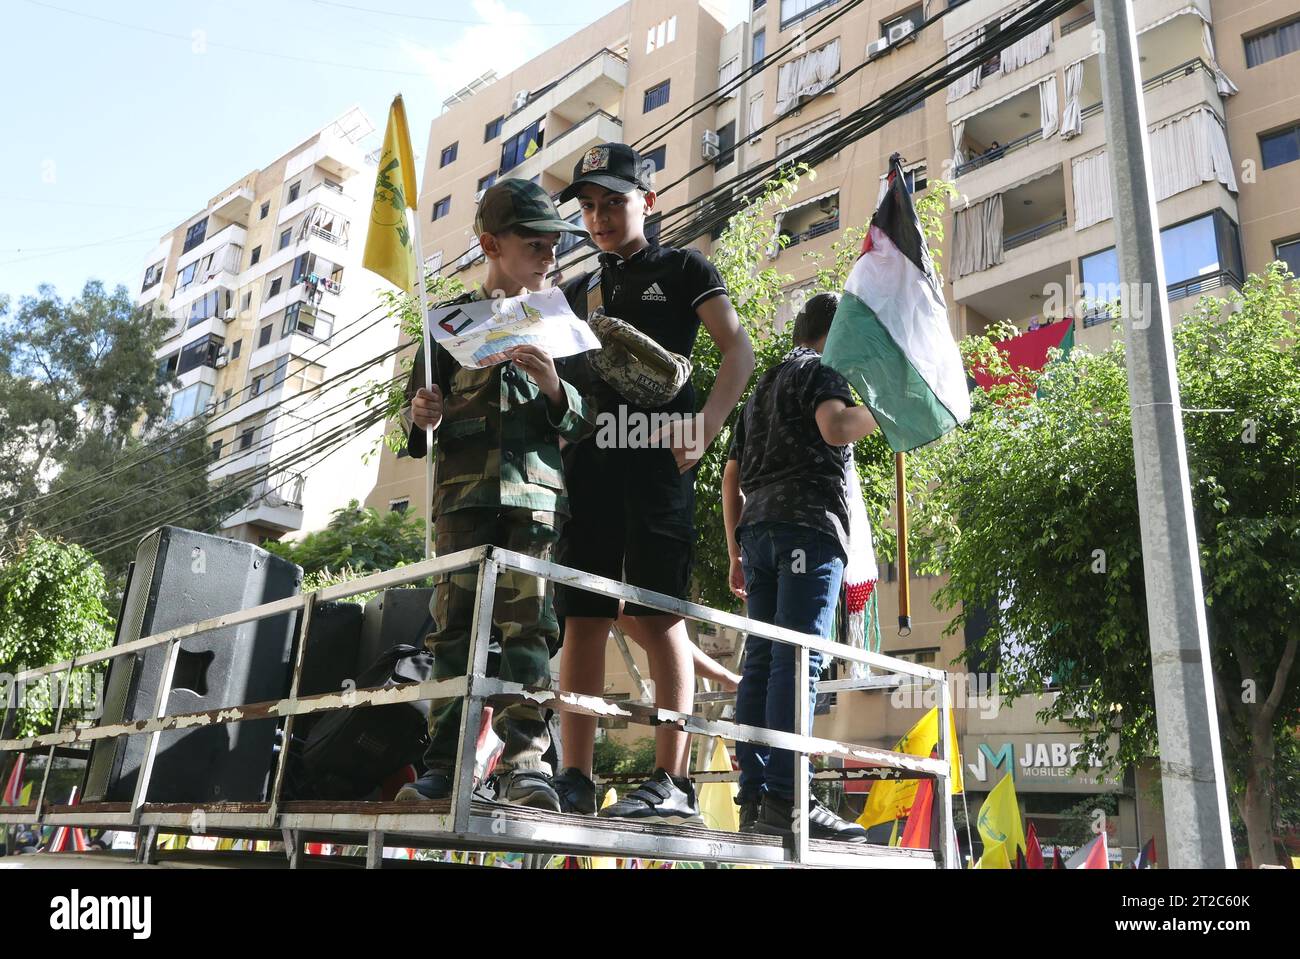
1283, 670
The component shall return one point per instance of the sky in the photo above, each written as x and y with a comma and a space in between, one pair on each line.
125, 118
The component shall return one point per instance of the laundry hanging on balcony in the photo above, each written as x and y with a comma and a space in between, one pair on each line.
806, 77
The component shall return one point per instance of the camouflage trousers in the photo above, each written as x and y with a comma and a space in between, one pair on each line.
523, 624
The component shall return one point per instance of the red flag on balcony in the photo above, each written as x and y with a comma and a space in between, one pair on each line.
1028, 351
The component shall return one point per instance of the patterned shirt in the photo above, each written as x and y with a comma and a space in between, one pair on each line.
498, 442
788, 473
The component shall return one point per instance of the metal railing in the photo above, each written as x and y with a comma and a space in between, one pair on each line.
999, 152
1033, 233
1071, 25
461, 825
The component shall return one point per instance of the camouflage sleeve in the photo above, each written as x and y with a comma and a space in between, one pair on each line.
579, 418
416, 439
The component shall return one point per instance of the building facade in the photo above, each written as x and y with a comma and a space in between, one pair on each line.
1031, 239
269, 304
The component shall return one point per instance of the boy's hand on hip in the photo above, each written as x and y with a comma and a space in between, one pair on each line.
537, 363
426, 407
686, 438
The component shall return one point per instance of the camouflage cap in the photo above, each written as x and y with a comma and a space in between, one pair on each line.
637, 367
522, 203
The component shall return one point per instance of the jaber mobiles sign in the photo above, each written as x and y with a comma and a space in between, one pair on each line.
1042, 763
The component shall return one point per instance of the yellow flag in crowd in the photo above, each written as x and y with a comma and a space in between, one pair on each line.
892, 798
390, 250
718, 800
605, 862
1000, 826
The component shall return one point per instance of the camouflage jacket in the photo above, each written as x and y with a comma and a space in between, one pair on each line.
498, 442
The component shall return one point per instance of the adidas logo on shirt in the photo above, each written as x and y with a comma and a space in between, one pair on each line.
654, 294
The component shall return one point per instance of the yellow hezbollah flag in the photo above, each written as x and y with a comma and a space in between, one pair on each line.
390, 251
892, 798
1000, 826
718, 800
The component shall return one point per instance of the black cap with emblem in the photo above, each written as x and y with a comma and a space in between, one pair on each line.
614, 166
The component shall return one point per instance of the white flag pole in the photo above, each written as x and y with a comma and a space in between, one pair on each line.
421, 296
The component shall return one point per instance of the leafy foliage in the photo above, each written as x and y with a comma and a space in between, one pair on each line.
359, 539
50, 610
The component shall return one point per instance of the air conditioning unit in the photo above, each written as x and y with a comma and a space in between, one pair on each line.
709, 145
903, 30
876, 47
229, 315
519, 101
222, 358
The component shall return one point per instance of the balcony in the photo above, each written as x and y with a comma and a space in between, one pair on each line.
595, 84
561, 153
1046, 296
234, 204
1002, 129
1076, 19
334, 154
274, 502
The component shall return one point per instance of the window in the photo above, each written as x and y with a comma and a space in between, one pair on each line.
808, 76
1289, 253
189, 402
285, 237
255, 257
399, 505
195, 235
167, 367
442, 208
1280, 146
521, 146
914, 16
758, 4
202, 352
225, 399
153, 275
760, 46
264, 336
300, 269
246, 437
187, 275
216, 449
294, 189
448, 154
266, 208
274, 289
726, 144
656, 96
661, 34
245, 302
307, 322
487, 181
795, 10
656, 157
207, 306
807, 132
236, 348
1272, 43
258, 385
570, 241
281, 367
492, 130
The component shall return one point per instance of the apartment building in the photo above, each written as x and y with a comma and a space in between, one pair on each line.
265, 288
1032, 239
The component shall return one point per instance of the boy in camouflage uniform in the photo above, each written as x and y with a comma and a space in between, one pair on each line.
499, 482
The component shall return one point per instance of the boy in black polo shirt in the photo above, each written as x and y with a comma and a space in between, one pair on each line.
633, 504
785, 504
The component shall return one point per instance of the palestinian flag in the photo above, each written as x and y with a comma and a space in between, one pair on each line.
890, 338
1147, 857
1028, 351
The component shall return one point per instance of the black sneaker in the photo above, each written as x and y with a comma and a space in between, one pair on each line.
434, 784
776, 818
748, 813
660, 799
577, 793
526, 787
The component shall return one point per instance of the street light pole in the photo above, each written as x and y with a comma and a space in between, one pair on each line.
1191, 759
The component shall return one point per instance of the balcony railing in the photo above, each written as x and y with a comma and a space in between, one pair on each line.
1184, 69
984, 159
814, 231
1033, 233
1071, 25
278, 489
535, 95
1194, 286
593, 113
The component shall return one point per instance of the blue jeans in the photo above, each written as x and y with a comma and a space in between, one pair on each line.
792, 575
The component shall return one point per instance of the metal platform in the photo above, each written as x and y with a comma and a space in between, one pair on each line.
463, 822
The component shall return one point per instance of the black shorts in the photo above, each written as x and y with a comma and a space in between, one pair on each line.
632, 519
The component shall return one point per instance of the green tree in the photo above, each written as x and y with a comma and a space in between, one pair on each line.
359, 539
1033, 505
51, 609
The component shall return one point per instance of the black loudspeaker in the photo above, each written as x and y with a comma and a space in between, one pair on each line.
330, 659
396, 617
182, 577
